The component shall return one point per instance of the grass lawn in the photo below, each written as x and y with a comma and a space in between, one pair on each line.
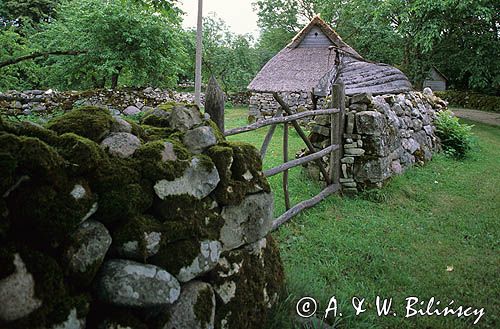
432, 232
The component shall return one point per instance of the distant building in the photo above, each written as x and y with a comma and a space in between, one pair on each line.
435, 80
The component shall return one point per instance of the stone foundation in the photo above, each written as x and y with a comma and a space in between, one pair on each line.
384, 136
264, 106
107, 223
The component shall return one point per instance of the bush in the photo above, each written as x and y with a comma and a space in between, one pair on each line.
471, 100
456, 138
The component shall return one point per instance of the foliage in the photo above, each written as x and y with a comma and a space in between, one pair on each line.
456, 138
26, 13
120, 37
471, 100
231, 58
459, 37
20, 76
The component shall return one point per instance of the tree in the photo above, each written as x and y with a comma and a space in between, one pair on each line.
121, 39
26, 13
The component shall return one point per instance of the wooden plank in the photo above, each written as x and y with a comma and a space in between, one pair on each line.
329, 190
214, 103
302, 135
285, 160
300, 161
275, 120
336, 131
269, 136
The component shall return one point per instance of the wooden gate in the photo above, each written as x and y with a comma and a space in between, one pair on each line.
285, 116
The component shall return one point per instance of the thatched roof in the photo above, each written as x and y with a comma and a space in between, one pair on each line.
300, 68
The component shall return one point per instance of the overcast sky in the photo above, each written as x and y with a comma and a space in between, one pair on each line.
237, 14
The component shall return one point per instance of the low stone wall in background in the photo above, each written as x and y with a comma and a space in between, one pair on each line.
264, 106
106, 223
120, 101
384, 136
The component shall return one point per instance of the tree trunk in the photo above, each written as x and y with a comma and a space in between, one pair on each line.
114, 78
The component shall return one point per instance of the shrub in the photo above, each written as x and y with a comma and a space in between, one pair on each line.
456, 138
471, 100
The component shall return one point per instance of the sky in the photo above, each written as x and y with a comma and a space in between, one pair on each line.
237, 14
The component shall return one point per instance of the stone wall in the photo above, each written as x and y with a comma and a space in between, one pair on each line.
106, 223
120, 101
384, 136
264, 106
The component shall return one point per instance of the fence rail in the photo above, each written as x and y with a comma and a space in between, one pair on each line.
286, 117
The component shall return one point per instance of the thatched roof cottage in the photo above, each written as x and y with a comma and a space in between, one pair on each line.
308, 62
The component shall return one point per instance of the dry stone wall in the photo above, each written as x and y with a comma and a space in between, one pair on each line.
107, 223
384, 136
264, 106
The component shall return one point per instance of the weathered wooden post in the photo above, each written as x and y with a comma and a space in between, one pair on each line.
337, 130
214, 103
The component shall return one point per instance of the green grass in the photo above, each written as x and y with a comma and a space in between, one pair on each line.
395, 242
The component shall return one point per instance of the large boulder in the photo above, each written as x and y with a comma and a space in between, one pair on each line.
199, 139
122, 145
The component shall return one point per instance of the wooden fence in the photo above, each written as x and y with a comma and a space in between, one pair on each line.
285, 116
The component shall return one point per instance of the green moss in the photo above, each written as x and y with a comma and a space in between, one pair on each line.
90, 122
158, 117
203, 307
46, 212
218, 134
157, 133
31, 129
137, 129
234, 161
249, 308
176, 255
134, 230
36, 158
121, 190
8, 165
82, 154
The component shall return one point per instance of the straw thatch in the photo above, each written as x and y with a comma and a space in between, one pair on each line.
298, 68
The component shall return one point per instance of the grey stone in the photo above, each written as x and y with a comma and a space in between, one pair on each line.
428, 130
350, 146
362, 98
119, 125
89, 246
205, 261
248, 221
396, 167
132, 250
417, 124
350, 122
122, 145
131, 110
199, 139
374, 170
197, 181
324, 131
17, 293
347, 160
354, 152
184, 118
128, 283
349, 184
183, 313
428, 91
168, 153
398, 109
358, 107
410, 145
370, 123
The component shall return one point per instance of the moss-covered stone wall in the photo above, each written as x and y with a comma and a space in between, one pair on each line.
108, 223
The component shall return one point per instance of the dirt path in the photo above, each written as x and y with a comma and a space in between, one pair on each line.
479, 116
